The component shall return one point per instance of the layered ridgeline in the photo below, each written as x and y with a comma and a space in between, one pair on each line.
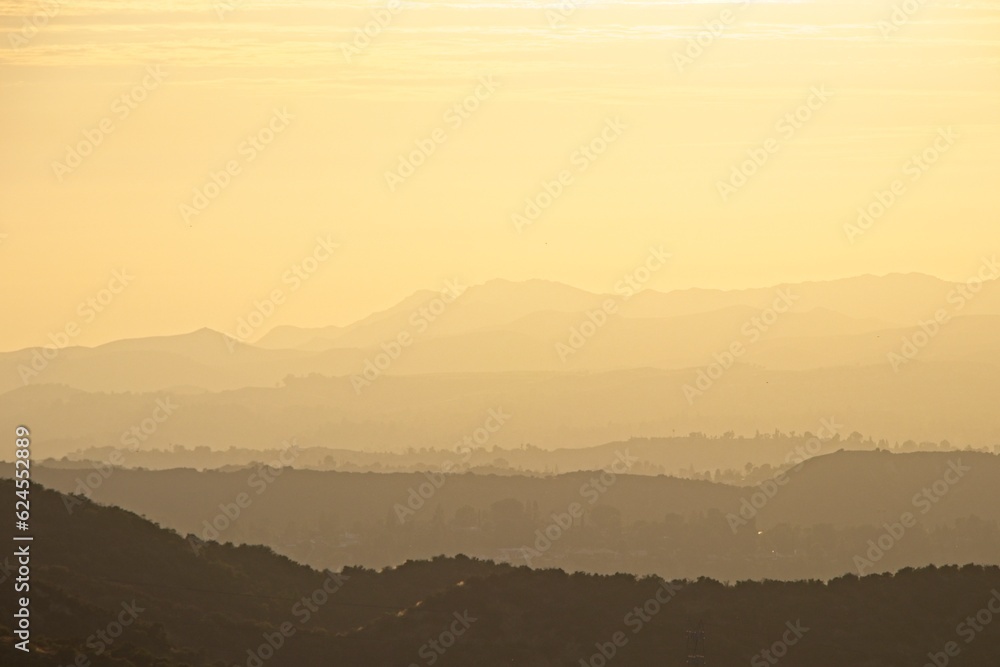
110, 588
845, 512
727, 457
897, 357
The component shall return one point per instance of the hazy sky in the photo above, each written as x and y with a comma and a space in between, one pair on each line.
200, 78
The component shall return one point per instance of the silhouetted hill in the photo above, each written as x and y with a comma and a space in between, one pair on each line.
109, 588
696, 455
810, 522
305, 496
551, 618
199, 605
855, 488
924, 401
883, 301
540, 326
547, 341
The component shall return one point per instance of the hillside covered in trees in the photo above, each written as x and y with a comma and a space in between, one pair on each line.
812, 520
110, 588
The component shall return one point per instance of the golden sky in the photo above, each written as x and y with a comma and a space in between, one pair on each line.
162, 95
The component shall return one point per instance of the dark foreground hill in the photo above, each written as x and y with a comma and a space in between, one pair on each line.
109, 588
813, 524
184, 601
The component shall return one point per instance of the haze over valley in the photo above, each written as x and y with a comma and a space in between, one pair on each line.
500, 333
